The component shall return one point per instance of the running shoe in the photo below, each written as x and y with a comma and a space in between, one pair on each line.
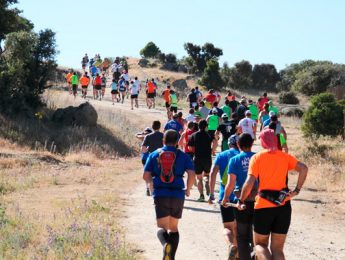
148, 192
167, 251
201, 198
233, 253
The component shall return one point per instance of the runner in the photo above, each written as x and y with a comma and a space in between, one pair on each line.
181, 120
221, 165
226, 129
68, 79
137, 83
184, 139
84, 82
281, 141
264, 115
173, 124
233, 103
200, 143
93, 71
74, 82
242, 108
237, 174
151, 143
204, 110
191, 116
226, 108
273, 108
173, 102
98, 87
115, 69
213, 122
198, 94
210, 98
134, 89
279, 128
220, 112
248, 125
122, 89
169, 193
166, 96
272, 210
262, 101
84, 62
104, 84
192, 99
114, 91
253, 110
150, 93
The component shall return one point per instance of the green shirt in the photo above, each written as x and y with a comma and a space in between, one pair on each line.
198, 113
74, 80
227, 110
213, 122
274, 109
254, 111
173, 100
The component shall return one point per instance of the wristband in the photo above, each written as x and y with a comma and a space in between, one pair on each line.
297, 190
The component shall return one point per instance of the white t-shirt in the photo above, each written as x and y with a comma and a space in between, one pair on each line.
125, 76
247, 125
134, 89
137, 83
190, 118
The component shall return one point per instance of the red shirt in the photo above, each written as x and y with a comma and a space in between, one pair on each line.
189, 132
210, 98
262, 102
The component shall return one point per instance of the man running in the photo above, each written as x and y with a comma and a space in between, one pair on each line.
114, 91
272, 210
203, 110
166, 96
264, 115
213, 122
104, 84
226, 108
198, 94
98, 87
84, 62
122, 89
191, 116
192, 99
84, 82
169, 189
262, 101
253, 110
242, 108
233, 103
184, 139
237, 174
68, 79
173, 102
226, 130
134, 89
248, 125
74, 82
273, 108
173, 124
220, 112
151, 87
221, 165
152, 142
200, 143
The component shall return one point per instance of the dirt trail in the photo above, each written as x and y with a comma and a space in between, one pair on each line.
317, 229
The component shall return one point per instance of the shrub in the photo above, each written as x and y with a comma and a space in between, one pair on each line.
211, 77
288, 98
324, 116
150, 50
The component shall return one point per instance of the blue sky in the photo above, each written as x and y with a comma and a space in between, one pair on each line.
261, 31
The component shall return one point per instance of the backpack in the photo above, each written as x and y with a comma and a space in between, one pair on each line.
166, 165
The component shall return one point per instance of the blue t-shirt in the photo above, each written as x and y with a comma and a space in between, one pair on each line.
222, 161
114, 86
173, 125
175, 189
239, 165
267, 122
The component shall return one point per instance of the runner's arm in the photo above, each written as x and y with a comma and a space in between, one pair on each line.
190, 181
181, 141
229, 188
147, 177
302, 170
247, 187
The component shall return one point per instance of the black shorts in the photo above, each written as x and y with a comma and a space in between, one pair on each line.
166, 206
167, 105
98, 87
84, 87
202, 165
212, 133
245, 216
134, 96
114, 92
74, 88
150, 95
272, 220
227, 214
103, 86
173, 109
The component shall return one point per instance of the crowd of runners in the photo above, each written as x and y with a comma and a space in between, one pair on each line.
254, 196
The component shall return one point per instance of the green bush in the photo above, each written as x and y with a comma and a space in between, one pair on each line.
211, 77
288, 98
323, 117
150, 50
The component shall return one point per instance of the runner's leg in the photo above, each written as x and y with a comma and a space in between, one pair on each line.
277, 246
261, 247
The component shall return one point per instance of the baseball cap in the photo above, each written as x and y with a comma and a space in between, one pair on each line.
271, 113
248, 112
225, 115
148, 130
233, 140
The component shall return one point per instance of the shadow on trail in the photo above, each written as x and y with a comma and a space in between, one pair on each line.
202, 210
310, 201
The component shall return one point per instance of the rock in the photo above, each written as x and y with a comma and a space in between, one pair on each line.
292, 111
84, 115
169, 66
182, 68
180, 84
143, 62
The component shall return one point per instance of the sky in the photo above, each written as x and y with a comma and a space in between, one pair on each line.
280, 32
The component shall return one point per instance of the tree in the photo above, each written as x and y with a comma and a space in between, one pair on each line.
288, 97
150, 50
265, 77
239, 76
11, 21
324, 116
211, 77
200, 55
